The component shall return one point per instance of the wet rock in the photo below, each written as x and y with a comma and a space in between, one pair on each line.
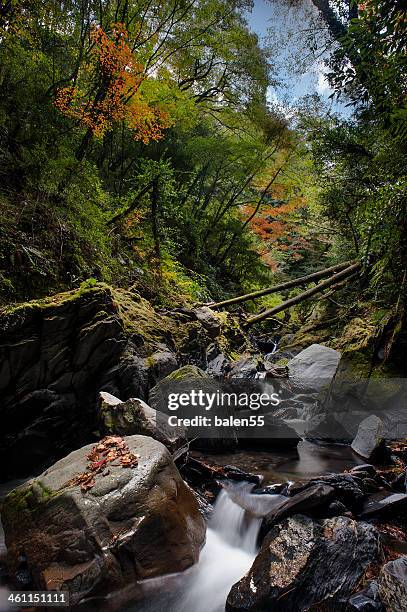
308, 502
134, 523
246, 367
135, 417
159, 393
390, 507
304, 563
219, 366
367, 600
316, 364
206, 476
348, 489
369, 442
393, 585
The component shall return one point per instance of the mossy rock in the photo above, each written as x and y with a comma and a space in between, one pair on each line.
185, 373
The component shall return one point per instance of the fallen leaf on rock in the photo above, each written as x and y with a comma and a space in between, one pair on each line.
103, 453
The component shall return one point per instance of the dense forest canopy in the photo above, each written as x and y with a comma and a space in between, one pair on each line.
138, 145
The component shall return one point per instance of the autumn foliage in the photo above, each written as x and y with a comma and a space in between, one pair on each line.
277, 225
118, 76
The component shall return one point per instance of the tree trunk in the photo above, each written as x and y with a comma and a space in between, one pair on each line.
305, 295
288, 285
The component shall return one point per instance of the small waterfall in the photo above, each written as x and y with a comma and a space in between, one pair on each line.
228, 554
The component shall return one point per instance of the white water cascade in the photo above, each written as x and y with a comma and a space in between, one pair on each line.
230, 549
228, 554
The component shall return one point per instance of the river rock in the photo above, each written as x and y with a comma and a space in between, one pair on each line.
308, 501
393, 585
391, 506
209, 320
245, 367
367, 600
348, 489
316, 364
369, 442
304, 563
135, 417
134, 523
159, 393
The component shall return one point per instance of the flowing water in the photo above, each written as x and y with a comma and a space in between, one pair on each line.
229, 551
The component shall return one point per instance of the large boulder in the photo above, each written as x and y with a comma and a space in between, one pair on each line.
369, 442
316, 364
54, 355
304, 563
135, 417
90, 528
393, 585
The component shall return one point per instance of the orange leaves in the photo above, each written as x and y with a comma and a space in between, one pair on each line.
277, 224
116, 76
109, 449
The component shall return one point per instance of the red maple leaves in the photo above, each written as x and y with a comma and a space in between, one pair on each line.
111, 448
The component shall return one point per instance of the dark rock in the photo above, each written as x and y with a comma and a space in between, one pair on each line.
200, 473
246, 367
54, 356
348, 489
393, 585
335, 508
161, 364
158, 393
135, 417
399, 483
309, 501
280, 488
392, 506
132, 524
304, 563
365, 468
367, 600
219, 366
369, 442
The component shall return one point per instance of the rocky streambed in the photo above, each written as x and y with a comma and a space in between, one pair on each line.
126, 513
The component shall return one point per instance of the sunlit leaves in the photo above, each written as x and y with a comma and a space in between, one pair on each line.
117, 77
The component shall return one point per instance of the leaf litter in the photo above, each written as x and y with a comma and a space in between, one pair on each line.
102, 455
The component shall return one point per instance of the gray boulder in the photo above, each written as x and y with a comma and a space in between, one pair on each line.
133, 522
369, 442
316, 364
393, 585
304, 563
209, 320
135, 417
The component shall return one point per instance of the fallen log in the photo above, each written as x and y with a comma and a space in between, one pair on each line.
287, 285
332, 280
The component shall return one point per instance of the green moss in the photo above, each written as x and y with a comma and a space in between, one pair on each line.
188, 371
28, 498
56, 300
140, 318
